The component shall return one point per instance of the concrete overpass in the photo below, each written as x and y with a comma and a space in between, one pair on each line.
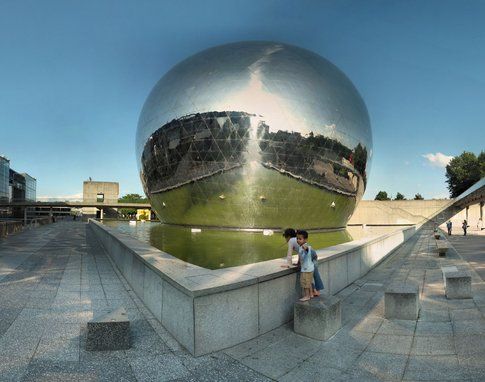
77, 205
67, 204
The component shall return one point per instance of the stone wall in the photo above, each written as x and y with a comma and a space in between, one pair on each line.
209, 310
10, 227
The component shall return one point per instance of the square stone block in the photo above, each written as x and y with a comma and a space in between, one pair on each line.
401, 302
110, 331
320, 318
458, 284
442, 247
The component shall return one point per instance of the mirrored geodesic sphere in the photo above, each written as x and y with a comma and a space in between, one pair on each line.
254, 135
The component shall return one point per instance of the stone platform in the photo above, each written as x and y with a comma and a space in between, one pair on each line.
320, 318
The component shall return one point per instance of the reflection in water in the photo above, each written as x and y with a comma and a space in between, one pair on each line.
215, 249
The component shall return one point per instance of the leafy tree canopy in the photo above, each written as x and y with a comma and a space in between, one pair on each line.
418, 197
399, 196
382, 195
464, 171
132, 198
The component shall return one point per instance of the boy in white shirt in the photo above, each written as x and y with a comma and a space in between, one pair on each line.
307, 267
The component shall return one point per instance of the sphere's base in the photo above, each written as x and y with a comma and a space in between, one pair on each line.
269, 200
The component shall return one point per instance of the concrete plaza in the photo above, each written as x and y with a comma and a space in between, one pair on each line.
53, 279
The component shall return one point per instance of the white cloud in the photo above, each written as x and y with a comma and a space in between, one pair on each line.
438, 159
53, 198
441, 196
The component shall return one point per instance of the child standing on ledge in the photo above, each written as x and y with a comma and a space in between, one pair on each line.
290, 236
307, 267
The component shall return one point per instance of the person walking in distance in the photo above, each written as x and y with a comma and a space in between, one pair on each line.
449, 225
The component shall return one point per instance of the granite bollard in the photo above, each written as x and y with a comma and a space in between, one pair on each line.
442, 247
401, 301
458, 284
111, 331
319, 318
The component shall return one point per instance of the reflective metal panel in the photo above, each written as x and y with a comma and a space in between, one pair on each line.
254, 134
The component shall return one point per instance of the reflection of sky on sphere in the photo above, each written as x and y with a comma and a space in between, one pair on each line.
294, 89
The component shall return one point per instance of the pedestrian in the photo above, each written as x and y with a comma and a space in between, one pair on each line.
317, 286
449, 225
290, 236
464, 226
307, 267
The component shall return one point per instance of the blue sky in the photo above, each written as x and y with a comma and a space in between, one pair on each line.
75, 74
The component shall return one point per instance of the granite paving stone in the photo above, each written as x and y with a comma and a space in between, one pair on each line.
13, 369
439, 368
52, 371
466, 344
425, 328
461, 304
328, 355
384, 343
434, 315
259, 343
441, 345
58, 349
103, 371
469, 327
475, 366
309, 371
158, 368
272, 363
48, 295
370, 324
397, 327
381, 366
353, 340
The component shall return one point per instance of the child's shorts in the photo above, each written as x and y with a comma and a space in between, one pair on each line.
306, 279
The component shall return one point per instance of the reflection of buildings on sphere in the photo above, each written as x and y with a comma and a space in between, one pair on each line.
250, 119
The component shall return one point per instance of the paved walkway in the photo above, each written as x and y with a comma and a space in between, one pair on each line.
472, 249
54, 278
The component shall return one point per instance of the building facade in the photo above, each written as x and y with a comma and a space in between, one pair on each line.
100, 192
15, 188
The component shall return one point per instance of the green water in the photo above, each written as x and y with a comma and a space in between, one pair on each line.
216, 249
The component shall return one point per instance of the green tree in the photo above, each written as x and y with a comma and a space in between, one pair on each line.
382, 195
418, 197
464, 171
399, 196
131, 198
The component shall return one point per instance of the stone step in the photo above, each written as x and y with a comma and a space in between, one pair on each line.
442, 246
320, 318
401, 301
458, 283
109, 331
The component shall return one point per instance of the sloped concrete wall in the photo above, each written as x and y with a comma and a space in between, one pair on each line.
398, 212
